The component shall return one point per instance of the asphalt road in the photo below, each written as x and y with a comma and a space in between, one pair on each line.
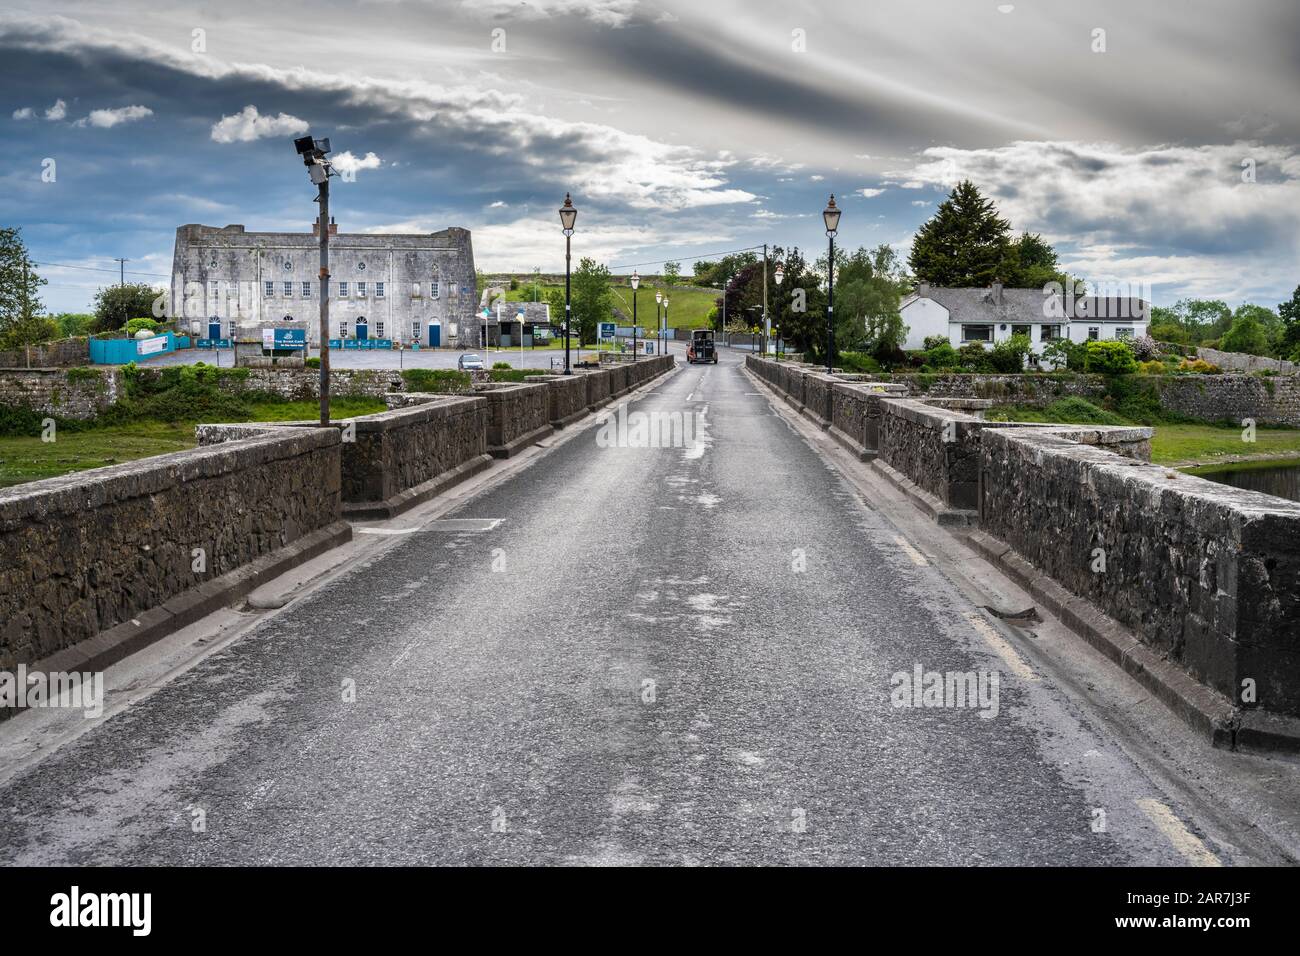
658, 655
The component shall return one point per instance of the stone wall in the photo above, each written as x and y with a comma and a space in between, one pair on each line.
84, 552
1029, 389
1271, 400
1201, 572
517, 415
302, 384
566, 397
65, 353
1240, 362
77, 393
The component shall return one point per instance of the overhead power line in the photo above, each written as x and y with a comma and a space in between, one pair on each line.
66, 265
702, 255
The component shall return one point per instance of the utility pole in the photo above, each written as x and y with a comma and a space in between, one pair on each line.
121, 270
767, 323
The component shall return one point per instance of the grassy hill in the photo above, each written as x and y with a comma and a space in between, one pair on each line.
688, 307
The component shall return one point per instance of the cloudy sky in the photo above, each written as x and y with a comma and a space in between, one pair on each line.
1152, 142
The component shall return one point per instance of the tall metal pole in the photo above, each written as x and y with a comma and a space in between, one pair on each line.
121, 271
324, 303
830, 309
633, 323
568, 308
665, 333
767, 329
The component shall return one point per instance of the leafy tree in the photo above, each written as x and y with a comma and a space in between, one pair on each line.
965, 243
703, 272
1246, 335
1062, 353
74, 323
941, 354
591, 298
1289, 313
672, 273
20, 287
118, 304
869, 284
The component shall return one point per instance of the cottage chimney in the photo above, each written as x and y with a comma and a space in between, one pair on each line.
315, 227
334, 229
923, 289
997, 293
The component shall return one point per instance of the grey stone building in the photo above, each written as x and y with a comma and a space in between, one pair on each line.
382, 286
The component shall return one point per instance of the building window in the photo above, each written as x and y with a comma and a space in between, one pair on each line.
379, 328
1049, 333
288, 290
214, 287
268, 288
415, 331
343, 328
977, 333
361, 289
415, 290
379, 290
306, 290
1125, 332
343, 288
434, 288
1094, 333
232, 329
1020, 330
287, 318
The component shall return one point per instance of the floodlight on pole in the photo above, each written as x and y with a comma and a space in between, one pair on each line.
319, 171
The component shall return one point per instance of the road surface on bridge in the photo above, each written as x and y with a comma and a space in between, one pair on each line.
627, 655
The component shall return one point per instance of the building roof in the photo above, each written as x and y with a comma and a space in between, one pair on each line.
1024, 306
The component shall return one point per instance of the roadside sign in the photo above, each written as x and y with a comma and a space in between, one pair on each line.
607, 330
149, 346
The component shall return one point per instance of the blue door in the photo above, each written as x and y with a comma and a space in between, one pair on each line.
435, 336
214, 331
363, 331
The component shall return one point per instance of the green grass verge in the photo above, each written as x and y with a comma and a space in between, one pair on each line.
1173, 442
25, 458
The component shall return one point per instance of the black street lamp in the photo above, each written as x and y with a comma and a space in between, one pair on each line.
831, 217
568, 215
636, 281
780, 274
659, 298
665, 329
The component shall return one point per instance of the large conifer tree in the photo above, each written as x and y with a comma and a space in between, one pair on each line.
965, 243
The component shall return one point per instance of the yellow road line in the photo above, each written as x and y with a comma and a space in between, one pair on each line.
1184, 840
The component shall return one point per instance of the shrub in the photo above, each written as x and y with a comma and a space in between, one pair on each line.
1080, 411
135, 325
1110, 357
313, 362
857, 362
1009, 356
1197, 367
1064, 354
1146, 349
975, 357
1152, 368
933, 341
942, 354
501, 365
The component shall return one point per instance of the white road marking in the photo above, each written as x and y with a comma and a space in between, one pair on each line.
1184, 840
386, 530
1015, 663
917, 557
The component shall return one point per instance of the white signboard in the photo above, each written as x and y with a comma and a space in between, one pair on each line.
268, 338
149, 346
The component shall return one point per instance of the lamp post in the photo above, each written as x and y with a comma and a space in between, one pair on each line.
636, 282
659, 298
778, 275
665, 325
319, 169
831, 217
568, 215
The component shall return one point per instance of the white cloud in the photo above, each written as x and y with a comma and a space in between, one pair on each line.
107, 119
870, 193
499, 204
58, 111
611, 13
24, 114
921, 202
350, 165
248, 125
816, 179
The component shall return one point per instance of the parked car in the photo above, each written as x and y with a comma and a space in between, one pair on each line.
701, 348
470, 362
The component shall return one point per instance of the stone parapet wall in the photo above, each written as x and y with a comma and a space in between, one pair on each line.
517, 415
1273, 400
84, 552
1201, 572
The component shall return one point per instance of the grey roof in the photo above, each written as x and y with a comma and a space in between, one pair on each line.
1022, 306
